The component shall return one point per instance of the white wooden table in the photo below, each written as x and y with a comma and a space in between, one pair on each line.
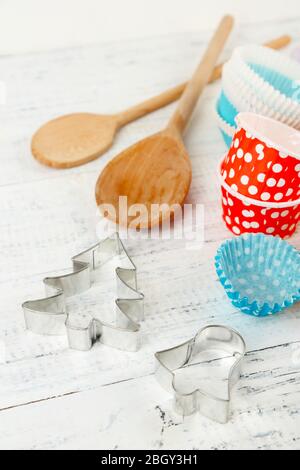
55, 398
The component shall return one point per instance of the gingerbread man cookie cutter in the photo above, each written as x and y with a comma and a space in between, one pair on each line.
210, 338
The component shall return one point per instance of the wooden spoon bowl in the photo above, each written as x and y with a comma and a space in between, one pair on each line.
73, 139
76, 139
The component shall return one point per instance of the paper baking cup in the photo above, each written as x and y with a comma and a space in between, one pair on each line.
252, 74
245, 215
263, 162
270, 69
226, 130
260, 274
227, 138
244, 97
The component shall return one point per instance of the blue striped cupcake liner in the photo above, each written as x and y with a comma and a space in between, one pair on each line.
260, 273
275, 69
280, 82
226, 109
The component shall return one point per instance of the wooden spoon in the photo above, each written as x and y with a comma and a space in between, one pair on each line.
157, 170
75, 139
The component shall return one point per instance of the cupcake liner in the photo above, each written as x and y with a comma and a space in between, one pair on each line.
245, 215
255, 168
296, 54
268, 95
227, 110
245, 98
242, 217
277, 135
278, 71
226, 130
266, 91
284, 85
260, 274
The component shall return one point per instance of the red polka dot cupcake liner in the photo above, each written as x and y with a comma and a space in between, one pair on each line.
264, 81
263, 162
242, 214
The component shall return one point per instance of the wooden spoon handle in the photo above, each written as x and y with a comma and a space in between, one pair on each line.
201, 76
277, 43
173, 94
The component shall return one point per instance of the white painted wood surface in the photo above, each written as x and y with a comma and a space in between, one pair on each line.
55, 398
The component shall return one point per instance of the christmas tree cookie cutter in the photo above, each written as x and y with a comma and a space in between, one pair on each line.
217, 338
49, 315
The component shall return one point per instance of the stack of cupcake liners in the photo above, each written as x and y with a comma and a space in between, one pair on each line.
260, 178
242, 216
259, 80
260, 274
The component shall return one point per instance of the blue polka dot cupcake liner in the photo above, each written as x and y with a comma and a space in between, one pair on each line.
274, 69
260, 273
243, 96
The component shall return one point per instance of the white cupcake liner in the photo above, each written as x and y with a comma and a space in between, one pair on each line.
243, 99
258, 97
249, 200
274, 134
270, 59
259, 273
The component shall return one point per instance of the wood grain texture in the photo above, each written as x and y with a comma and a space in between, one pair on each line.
167, 97
51, 397
75, 139
137, 414
201, 76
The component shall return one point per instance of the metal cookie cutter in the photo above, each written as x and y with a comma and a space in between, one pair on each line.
218, 338
49, 316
